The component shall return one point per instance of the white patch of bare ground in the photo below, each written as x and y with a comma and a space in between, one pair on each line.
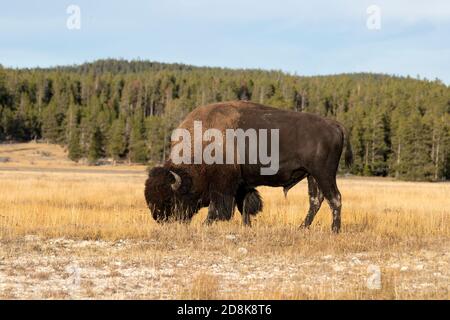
35, 268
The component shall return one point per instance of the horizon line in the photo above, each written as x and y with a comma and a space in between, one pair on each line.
418, 77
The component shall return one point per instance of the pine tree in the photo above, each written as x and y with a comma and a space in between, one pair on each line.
74, 146
52, 121
95, 151
118, 141
415, 163
138, 148
155, 138
11, 130
377, 142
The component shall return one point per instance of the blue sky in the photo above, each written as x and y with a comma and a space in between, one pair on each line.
303, 37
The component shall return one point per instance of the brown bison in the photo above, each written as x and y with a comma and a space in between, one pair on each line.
309, 146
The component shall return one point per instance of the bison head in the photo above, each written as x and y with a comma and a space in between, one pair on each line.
168, 194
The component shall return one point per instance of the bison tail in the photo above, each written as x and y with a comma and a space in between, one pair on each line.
348, 156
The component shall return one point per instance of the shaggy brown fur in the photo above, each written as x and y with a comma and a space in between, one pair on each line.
310, 146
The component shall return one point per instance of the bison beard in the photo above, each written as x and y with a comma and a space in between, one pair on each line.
310, 147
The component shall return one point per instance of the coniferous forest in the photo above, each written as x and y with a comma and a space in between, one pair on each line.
399, 127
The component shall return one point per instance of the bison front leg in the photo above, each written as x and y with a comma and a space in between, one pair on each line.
220, 207
242, 201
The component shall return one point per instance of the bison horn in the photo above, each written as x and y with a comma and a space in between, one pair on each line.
177, 182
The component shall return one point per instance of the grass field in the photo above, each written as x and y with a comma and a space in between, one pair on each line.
83, 233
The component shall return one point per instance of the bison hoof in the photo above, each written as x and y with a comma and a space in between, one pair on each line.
208, 222
335, 229
246, 220
304, 225
247, 224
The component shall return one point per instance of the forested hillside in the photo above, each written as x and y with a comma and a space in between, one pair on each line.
126, 110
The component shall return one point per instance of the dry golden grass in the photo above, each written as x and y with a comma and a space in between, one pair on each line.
42, 155
204, 287
97, 206
99, 224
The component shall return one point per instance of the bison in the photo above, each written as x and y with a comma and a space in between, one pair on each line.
309, 147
